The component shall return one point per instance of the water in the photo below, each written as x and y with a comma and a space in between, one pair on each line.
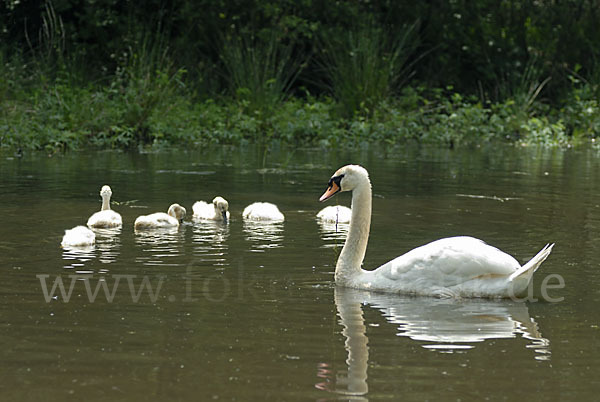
250, 312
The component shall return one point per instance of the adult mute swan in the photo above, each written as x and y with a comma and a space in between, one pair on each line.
262, 211
335, 214
450, 267
217, 211
106, 217
78, 236
175, 214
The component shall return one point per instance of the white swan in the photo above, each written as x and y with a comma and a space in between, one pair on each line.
451, 267
106, 217
335, 214
262, 211
78, 236
217, 211
175, 214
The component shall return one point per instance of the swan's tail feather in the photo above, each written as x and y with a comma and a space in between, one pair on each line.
527, 270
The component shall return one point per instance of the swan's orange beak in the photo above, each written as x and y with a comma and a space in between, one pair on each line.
331, 191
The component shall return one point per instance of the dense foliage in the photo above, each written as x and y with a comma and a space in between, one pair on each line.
126, 73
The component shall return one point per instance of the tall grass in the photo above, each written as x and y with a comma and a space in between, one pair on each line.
146, 81
365, 65
259, 72
522, 86
49, 52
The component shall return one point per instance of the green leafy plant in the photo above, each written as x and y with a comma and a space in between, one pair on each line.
540, 131
581, 110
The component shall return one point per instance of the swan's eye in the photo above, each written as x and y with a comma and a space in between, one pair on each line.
337, 180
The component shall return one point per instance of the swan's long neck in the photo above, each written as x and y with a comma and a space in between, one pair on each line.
350, 260
105, 202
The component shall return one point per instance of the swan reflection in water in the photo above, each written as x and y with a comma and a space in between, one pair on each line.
75, 257
333, 234
210, 242
106, 249
160, 243
444, 325
108, 244
263, 235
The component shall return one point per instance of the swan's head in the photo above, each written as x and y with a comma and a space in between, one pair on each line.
105, 192
177, 212
221, 206
346, 178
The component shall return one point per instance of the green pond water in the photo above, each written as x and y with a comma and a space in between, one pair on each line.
250, 312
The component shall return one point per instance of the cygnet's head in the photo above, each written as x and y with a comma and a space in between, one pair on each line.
221, 206
105, 192
346, 178
177, 212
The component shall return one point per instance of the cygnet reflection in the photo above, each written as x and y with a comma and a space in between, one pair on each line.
108, 244
333, 234
263, 235
210, 242
160, 244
